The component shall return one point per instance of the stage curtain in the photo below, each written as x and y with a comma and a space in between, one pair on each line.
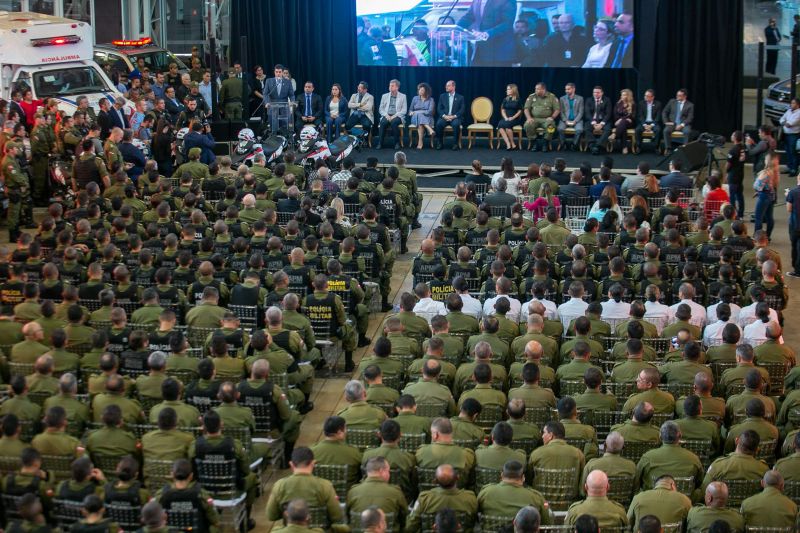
696, 44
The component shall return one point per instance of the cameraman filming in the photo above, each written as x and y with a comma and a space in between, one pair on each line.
200, 137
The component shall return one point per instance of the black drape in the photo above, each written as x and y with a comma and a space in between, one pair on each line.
695, 44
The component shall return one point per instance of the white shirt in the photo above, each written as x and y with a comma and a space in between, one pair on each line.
550, 310
427, 308
711, 313
472, 306
756, 333
513, 313
598, 55
791, 121
658, 314
747, 315
712, 335
615, 311
513, 183
698, 312
570, 310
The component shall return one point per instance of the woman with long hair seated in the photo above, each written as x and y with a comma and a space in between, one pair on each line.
546, 199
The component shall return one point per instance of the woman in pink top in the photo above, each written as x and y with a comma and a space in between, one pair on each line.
30, 106
539, 206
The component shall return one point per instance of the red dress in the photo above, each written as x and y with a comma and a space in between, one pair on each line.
30, 111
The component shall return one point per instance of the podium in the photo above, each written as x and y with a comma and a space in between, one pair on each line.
280, 116
450, 46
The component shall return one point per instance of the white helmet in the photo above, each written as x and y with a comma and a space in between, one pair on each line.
246, 134
308, 133
182, 133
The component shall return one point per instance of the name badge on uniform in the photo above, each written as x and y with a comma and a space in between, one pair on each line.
567, 54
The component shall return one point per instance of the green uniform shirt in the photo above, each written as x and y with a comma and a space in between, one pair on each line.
411, 424
573, 429
505, 499
670, 506
431, 392
765, 430
317, 492
558, 454
466, 430
495, 456
533, 396
701, 517
789, 467
111, 442
697, 428
166, 445
633, 431
735, 466
362, 415
374, 491
27, 351
22, 407
595, 400
131, 410
188, 415
149, 385
613, 464
662, 402
335, 452
381, 394
41, 383
56, 443
439, 453
607, 512
205, 315
769, 508
628, 371
485, 394
405, 462
431, 501
669, 459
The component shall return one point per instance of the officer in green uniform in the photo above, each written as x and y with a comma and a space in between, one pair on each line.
10, 443
54, 440
713, 408
530, 391
230, 96
206, 314
115, 395
296, 321
469, 208
193, 166
770, 508
754, 409
413, 325
662, 501
526, 434
399, 460
111, 149
428, 390
184, 492
497, 454
42, 382
753, 384
461, 324
403, 346
376, 490
446, 496
359, 414
29, 350
43, 144
483, 355
148, 386
453, 348
465, 430
322, 305
483, 391
296, 518
670, 459
280, 362
303, 485
490, 327
382, 350
577, 367
541, 110
548, 347
112, 440
701, 517
609, 514
166, 443
434, 350
789, 466
410, 422
17, 187
638, 428
188, 415
685, 371
510, 495
30, 478
741, 464
19, 404
259, 390
213, 443
593, 399
745, 357
378, 394
443, 451
611, 462
647, 383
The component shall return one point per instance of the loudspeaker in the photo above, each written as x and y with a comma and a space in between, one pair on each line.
226, 130
691, 155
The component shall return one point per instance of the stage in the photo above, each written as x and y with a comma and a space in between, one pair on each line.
444, 168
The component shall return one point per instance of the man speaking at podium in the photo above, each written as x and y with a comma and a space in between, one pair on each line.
278, 90
492, 22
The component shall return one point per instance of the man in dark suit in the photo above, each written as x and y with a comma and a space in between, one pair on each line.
598, 119
103, 119
493, 23
500, 198
567, 45
675, 178
773, 37
574, 189
200, 137
291, 203
678, 115
16, 98
450, 109
309, 108
648, 118
621, 53
172, 106
278, 89
117, 115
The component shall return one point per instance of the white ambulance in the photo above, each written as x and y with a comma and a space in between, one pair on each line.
53, 57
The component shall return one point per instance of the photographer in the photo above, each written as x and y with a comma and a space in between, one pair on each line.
200, 137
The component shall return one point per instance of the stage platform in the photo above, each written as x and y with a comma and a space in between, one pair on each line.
444, 168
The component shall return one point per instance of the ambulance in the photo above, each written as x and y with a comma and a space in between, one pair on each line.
53, 57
